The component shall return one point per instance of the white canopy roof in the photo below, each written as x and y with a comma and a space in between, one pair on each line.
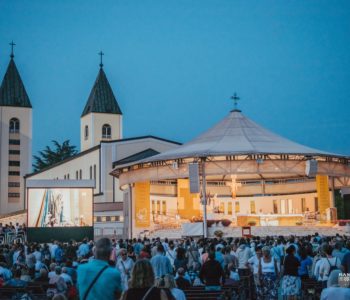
237, 135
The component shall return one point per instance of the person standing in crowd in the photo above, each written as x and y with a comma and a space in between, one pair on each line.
181, 259
328, 264
345, 264
253, 262
142, 284
212, 274
171, 252
291, 284
193, 256
334, 291
124, 265
243, 253
268, 276
305, 264
83, 249
96, 280
339, 251
160, 263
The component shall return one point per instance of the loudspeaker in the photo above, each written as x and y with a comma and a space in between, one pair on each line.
311, 168
194, 178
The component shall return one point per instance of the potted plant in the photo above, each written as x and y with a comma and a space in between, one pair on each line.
218, 233
225, 222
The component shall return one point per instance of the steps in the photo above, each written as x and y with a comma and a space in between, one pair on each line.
256, 231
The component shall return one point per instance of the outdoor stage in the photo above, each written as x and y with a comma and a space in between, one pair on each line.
239, 173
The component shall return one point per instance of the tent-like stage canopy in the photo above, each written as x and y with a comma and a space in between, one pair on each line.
239, 146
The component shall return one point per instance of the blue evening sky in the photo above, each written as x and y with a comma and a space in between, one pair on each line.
173, 65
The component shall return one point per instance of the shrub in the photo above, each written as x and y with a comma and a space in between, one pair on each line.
298, 223
251, 223
218, 234
210, 222
225, 222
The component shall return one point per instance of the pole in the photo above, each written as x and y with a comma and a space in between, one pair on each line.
204, 192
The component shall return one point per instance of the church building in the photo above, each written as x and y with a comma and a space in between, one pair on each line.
102, 148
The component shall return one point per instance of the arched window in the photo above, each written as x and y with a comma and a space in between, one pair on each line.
14, 125
106, 131
86, 132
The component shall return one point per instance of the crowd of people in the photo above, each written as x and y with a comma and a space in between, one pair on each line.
165, 269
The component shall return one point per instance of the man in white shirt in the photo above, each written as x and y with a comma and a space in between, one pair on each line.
253, 262
171, 253
37, 253
328, 263
243, 253
53, 248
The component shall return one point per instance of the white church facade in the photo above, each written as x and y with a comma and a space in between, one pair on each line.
15, 139
102, 148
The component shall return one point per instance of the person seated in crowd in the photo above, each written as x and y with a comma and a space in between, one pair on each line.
168, 283
42, 276
181, 282
66, 277
57, 283
5, 272
142, 284
16, 281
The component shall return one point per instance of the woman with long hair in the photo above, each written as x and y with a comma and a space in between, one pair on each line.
141, 284
180, 259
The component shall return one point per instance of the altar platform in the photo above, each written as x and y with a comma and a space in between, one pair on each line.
269, 219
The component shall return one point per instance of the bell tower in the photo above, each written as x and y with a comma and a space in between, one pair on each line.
15, 139
101, 118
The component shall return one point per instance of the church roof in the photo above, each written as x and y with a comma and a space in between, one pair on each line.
136, 157
101, 99
237, 135
12, 90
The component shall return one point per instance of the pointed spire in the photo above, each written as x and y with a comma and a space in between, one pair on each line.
12, 90
101, 54
12, 44
101, 99
235, 98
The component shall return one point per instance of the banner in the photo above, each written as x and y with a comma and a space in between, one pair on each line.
323, 193
188, 204
142, 204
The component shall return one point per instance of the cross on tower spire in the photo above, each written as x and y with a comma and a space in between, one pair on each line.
101, 54
235, 98
12, 44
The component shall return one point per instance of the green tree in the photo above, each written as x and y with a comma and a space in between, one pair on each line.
50, 156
